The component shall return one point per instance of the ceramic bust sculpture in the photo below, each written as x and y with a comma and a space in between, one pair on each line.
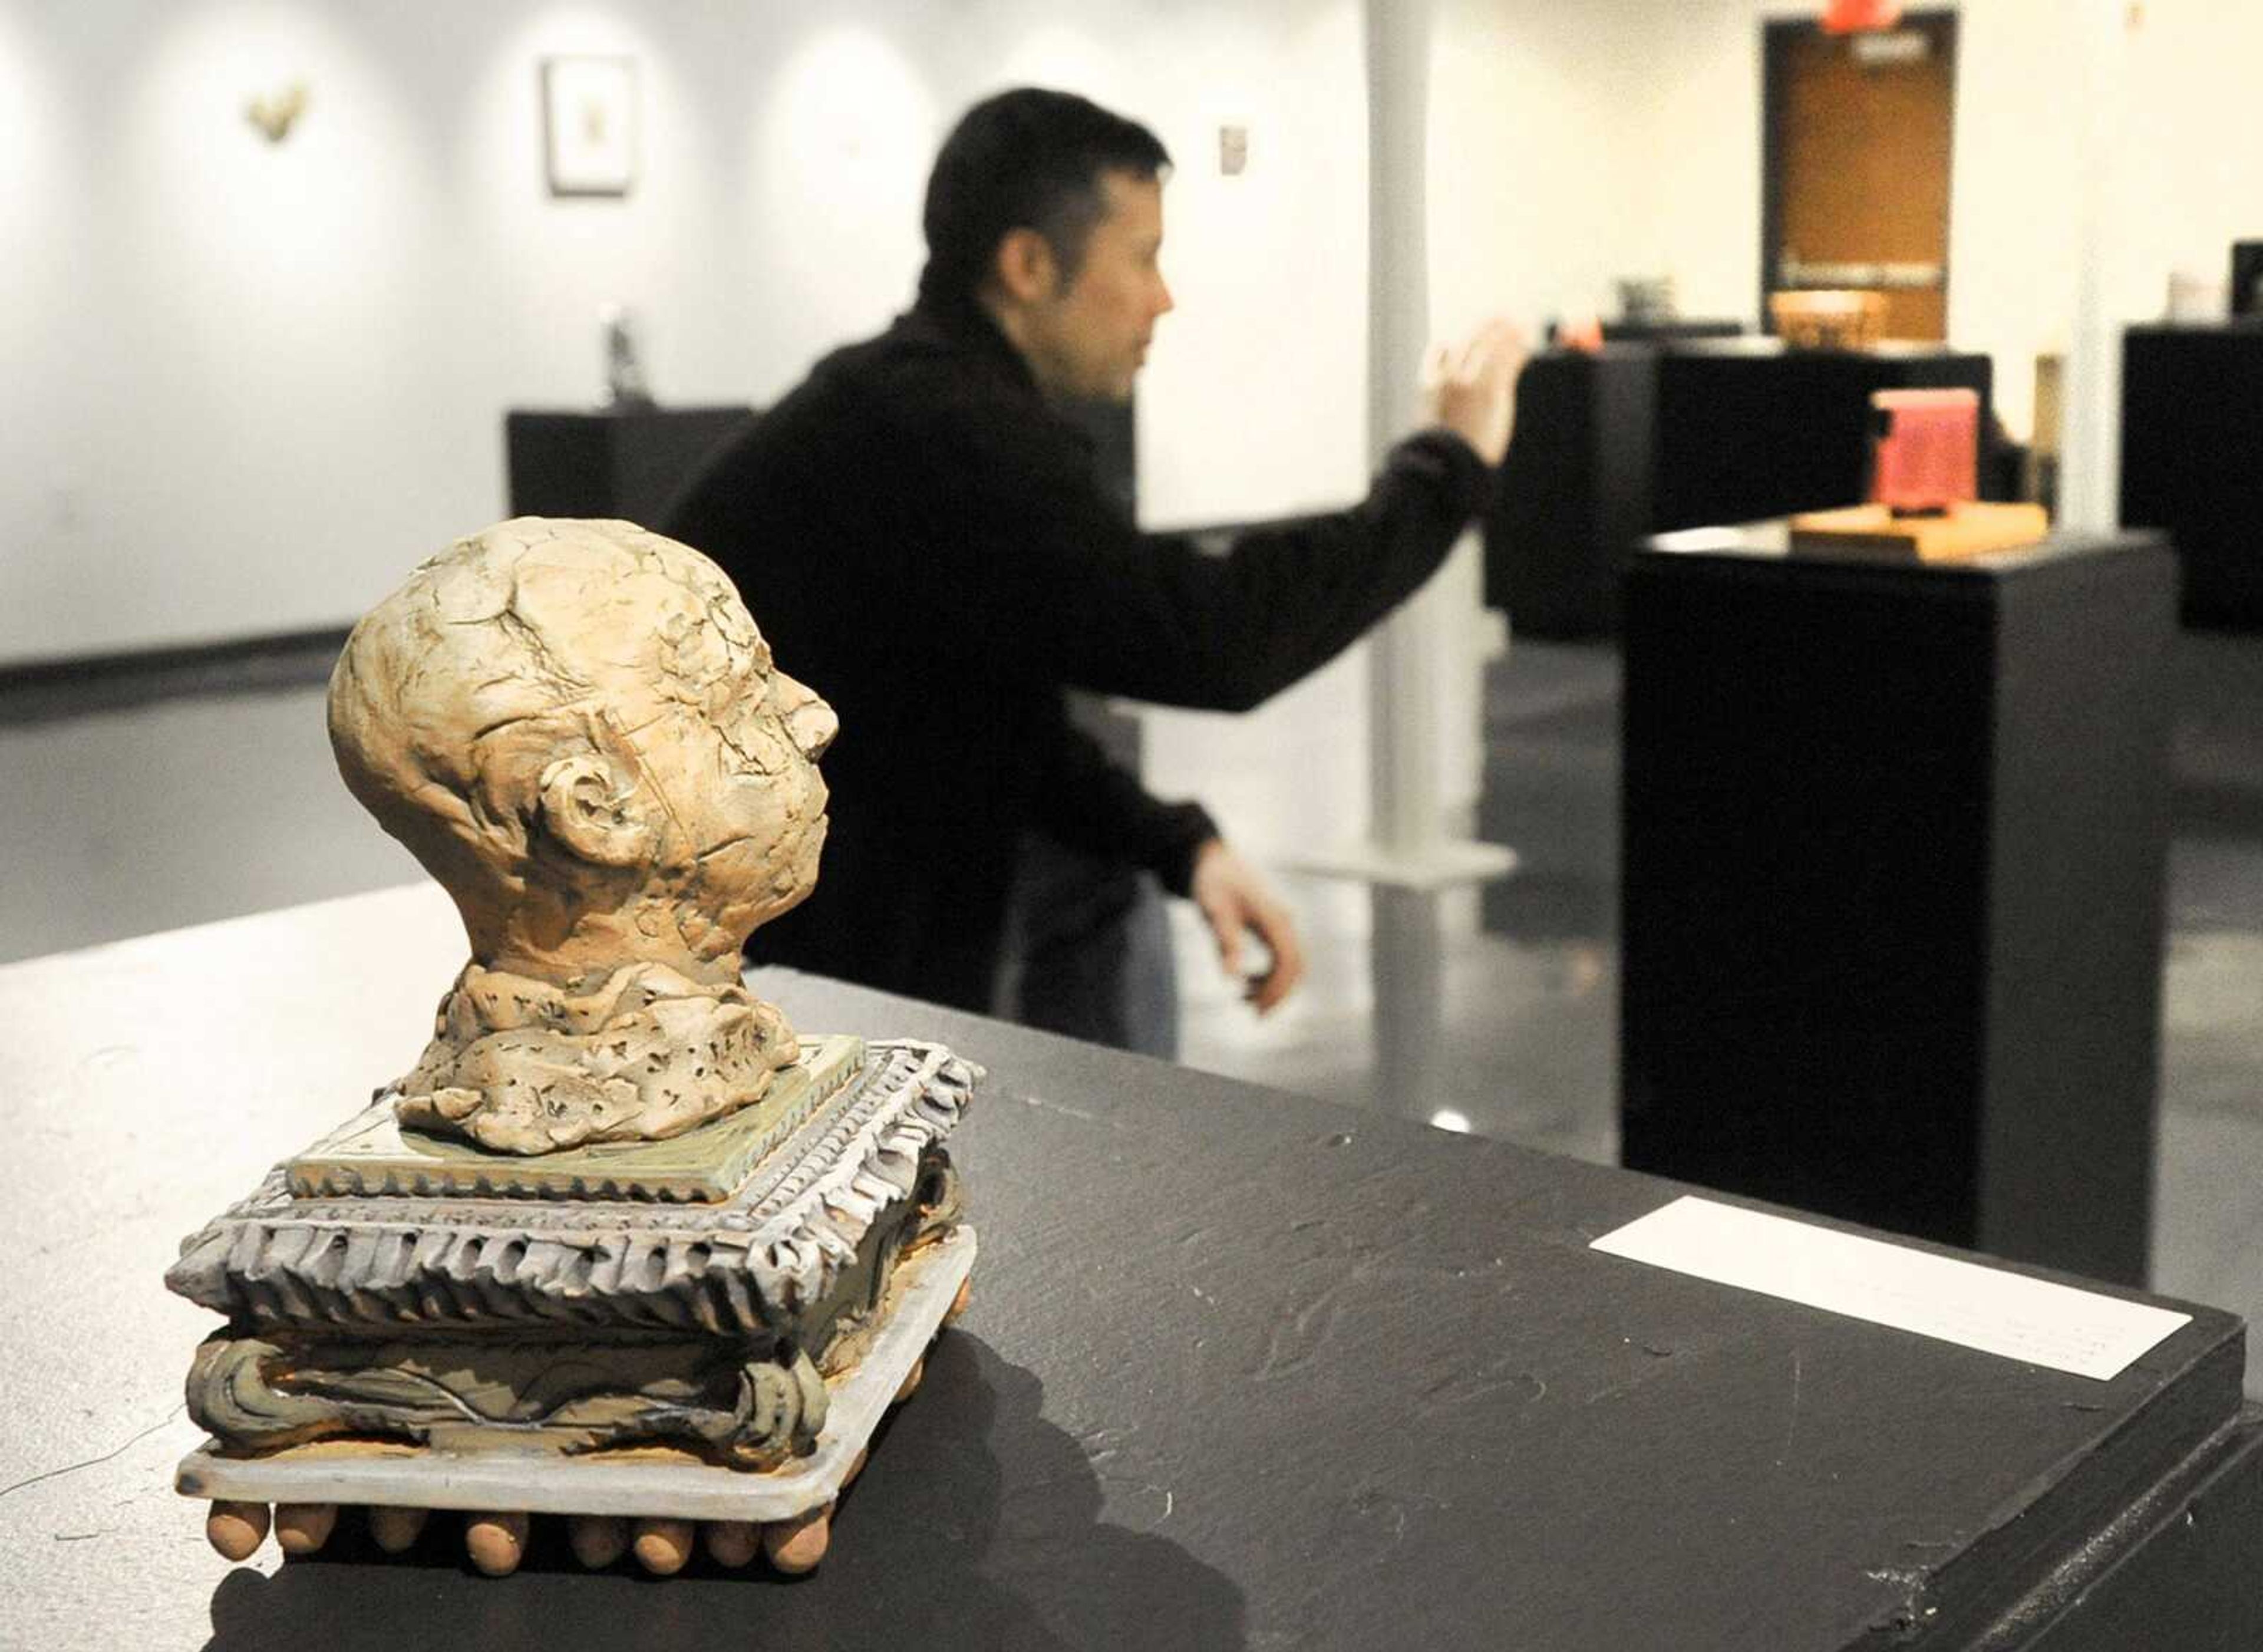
680, 1263
578, 731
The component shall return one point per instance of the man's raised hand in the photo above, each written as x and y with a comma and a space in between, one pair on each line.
1470, 387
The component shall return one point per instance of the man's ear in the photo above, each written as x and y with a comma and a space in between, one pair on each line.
1025, 266
582, 811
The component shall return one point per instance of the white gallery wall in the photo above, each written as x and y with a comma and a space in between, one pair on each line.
244, 385
2181, 177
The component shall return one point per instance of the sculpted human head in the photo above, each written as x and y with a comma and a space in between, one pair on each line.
578, 731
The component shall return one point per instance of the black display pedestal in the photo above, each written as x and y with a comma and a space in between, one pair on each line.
1894, 842
2192, 460
627, 462
1574, 493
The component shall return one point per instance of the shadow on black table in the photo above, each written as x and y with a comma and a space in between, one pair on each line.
968, 1470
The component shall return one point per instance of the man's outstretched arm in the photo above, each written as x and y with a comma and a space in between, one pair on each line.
1039, 556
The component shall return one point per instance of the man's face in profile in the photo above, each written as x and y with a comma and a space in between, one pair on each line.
1095, 330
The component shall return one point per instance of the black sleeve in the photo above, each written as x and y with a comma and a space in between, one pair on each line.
1062, 588
1088, 802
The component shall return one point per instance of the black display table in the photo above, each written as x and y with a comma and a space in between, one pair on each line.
1894, 843
2192, 460
625, 462
1749, 428
1574, 491
1640, 438
1242, 1369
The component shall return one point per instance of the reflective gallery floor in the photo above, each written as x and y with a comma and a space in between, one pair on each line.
209, 793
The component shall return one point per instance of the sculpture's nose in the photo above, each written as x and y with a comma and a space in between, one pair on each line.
807, 719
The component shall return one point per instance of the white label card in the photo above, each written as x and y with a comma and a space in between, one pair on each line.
1963, 1302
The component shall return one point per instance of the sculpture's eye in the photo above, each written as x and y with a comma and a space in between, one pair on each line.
750, 738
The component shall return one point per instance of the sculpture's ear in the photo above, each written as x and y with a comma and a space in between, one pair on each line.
580, 809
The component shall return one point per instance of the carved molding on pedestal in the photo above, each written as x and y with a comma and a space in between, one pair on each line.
467, 1323
743, 1268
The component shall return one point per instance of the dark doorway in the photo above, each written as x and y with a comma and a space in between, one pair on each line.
1855, 164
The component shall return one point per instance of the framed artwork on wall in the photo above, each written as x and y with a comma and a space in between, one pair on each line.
589, 124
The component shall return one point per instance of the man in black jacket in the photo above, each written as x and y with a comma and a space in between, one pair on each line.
923, 539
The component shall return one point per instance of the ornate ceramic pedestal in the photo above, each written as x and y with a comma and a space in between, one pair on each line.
706, 1329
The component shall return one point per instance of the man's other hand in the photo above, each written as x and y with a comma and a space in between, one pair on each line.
1235, 902
1470, 387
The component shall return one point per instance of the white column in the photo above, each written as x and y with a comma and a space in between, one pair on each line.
1411, 861
1403, 721
2090, 461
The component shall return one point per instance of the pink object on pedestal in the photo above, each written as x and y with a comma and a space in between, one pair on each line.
1928, 447
1853, 17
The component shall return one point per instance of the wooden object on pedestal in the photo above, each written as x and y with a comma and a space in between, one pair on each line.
1959, 533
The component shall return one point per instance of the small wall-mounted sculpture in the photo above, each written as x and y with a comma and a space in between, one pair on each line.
277, 114
620, 1245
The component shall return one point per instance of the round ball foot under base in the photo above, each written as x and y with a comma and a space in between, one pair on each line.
395, 1530
236, 1529
796, 1545
597, 1539
301, 1528
663, 1546
496, 1542
732, 1543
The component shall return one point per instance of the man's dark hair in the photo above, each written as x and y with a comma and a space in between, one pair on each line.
1026, 159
